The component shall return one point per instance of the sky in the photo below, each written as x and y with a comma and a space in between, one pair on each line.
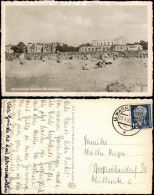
75, 25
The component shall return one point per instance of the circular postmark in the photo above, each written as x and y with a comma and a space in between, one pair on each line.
72, 185
122, 121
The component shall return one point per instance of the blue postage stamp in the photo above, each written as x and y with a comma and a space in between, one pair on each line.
141, 116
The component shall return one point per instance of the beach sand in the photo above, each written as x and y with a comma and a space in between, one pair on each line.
123, 75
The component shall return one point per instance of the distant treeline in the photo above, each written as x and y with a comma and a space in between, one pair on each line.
66, 48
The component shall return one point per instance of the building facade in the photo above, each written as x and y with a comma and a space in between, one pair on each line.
94, 48
118, 44
38, 48
120, 48
134, 47
42, 47
46, 48
34, 47
107, 42
31, 48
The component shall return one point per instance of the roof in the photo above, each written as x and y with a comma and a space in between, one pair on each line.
119, 45
21, 44
87, 46
135, 45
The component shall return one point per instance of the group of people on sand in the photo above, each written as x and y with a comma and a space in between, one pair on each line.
99, 64
104, 61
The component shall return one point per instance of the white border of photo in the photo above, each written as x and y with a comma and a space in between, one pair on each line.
88, 94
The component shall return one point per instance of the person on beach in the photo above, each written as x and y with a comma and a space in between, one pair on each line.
43, 58
21, 58
58, 57
85, 67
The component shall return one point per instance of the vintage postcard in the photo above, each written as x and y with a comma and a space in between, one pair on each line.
76, 146
77, 48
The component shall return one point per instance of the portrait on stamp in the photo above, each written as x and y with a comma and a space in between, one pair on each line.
141, 116
128, 120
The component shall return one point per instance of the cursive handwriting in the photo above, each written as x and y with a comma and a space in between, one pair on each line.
115, 169
39, 152
87, 141
7, 159
96, 179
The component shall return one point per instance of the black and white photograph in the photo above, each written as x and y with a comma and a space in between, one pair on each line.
77, 48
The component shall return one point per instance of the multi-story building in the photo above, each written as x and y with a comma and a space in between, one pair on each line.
99, 45
42, 47
50, 47
31, 48
46, 48
38, 48
34, 47
106, 42
117, 44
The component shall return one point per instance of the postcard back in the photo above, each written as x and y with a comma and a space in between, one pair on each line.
76, 146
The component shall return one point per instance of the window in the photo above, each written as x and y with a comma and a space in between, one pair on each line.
132, 46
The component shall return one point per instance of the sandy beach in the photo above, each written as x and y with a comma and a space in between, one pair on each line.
123, 75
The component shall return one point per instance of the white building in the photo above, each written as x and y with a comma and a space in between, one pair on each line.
117, 44
31, 48
134, 47
109, 42
94, 48
119, 47
42, 47
38, 48
106, 42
